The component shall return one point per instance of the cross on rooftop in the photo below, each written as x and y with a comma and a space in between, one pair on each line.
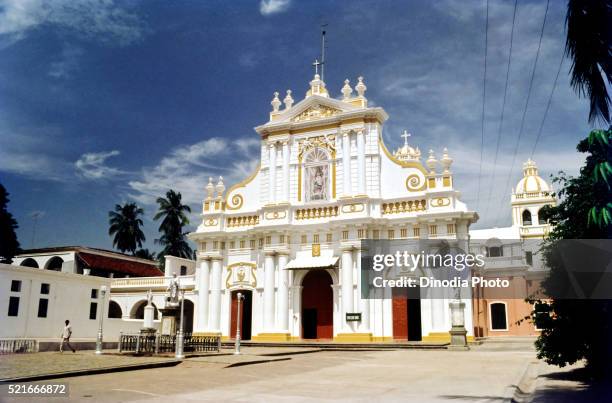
405, 136
316, 65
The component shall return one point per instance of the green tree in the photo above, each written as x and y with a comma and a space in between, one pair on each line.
125, 225
145, 254
173, 215
9, 245
588, 44
574, 329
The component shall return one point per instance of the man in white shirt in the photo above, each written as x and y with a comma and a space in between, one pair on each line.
66, 333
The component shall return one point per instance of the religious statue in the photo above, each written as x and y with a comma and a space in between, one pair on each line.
149, 298
173, 291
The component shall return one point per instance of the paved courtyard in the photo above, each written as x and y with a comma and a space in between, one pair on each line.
485, 374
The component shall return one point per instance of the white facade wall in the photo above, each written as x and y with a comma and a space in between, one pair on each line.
69, 298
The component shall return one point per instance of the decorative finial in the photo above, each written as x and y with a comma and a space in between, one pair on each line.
405, 136
530, 168
210, 188
288, 100
360, 87
220, 187
275, 102
446, 161
347, 90
431, 162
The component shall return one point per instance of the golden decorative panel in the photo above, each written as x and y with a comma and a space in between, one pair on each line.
235, 202
316, 212
276, 215
241, 274
242, 221
211, 222
316, 112
440, 202
415, 183
404, 207
353, 208
316, 249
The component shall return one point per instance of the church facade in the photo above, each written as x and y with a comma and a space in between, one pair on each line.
288, 237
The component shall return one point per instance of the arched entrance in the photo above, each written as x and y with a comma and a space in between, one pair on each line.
246, 307
406, 305
317, 305
188, 316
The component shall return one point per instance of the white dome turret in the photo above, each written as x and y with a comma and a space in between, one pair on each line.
531, 185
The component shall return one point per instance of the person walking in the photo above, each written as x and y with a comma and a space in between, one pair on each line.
66, 333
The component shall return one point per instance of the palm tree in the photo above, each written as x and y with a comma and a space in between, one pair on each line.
145, 254
588, 44
174, 217
125, 223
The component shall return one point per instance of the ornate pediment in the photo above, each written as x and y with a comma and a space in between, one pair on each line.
316, 112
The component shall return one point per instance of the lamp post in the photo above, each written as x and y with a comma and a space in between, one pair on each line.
240, 297
101, 321
180, 337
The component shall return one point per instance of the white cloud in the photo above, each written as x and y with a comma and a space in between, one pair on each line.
186, 169
93, 166
267, 7
102, 20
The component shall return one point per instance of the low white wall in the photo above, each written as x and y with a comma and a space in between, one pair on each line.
69, 298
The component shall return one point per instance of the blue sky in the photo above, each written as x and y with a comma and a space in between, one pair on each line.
105, 101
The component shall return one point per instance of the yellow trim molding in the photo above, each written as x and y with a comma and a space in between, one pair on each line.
441, 337
272, 337
353, 338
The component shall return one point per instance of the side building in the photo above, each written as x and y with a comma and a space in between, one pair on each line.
513, 254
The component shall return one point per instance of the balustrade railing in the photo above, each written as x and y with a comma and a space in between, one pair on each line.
15, 346
161, 343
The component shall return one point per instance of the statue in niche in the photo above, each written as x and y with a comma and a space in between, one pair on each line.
317, 176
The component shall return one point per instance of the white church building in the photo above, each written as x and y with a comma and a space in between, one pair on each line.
288, 237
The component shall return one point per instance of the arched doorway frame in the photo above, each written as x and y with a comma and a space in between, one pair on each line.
296, 297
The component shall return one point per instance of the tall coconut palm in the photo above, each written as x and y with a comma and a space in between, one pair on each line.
125, 223
173, 215
588, 44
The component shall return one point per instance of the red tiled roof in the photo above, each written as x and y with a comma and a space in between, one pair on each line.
126, 266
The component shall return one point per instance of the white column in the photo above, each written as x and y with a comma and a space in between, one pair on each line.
203, 288
268, 296
272, 173
346, 162
364, 303
215, 295
347, 285
286, 170
283, 294
361, 161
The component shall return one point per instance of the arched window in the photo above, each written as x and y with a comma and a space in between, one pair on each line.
541, 220
29, 262
316, 179
498, 315
114, 310
526, 217
138, 310
55, 264
495, 251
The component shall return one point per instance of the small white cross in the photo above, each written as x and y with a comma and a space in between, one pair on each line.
405, 136
316, 65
